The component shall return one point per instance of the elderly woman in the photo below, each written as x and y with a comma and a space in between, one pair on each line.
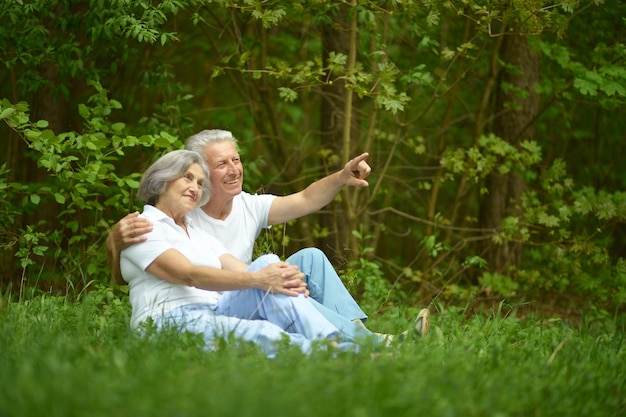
183, 277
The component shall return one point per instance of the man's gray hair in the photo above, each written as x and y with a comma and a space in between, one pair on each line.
204, 138
172, 166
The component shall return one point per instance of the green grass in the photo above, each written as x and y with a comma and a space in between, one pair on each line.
66, 358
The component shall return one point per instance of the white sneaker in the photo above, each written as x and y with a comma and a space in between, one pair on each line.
422, 323
420, 329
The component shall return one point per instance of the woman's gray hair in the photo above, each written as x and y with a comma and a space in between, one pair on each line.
204, 138
172, 166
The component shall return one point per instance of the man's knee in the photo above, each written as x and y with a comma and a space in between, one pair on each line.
312, 253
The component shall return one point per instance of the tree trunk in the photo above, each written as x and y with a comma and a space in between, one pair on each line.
337, 128
513, 124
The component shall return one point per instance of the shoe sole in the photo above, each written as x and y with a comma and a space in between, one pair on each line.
422, 322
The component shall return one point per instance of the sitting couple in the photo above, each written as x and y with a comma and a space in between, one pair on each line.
181, 256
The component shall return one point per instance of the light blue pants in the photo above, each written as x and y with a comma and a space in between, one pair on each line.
291, 314
329, 295
325, 285
259, 317
202, 319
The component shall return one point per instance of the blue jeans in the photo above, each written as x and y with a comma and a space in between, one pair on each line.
291, 314
325, 285
329, 295
259, 317
202, 319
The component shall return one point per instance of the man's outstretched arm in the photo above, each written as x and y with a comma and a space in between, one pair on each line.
320, 193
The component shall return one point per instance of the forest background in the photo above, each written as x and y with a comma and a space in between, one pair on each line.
495, 131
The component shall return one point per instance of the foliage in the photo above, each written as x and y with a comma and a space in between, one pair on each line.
562, 226
63, 357
83, 185
366, 277
94, 90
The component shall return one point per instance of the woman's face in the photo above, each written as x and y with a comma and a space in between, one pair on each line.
182, 195
226, 169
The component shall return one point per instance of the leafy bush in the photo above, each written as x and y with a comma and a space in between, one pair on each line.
566, 230
84, 189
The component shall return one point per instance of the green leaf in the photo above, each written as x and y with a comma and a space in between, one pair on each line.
287, 94
161, 142
83, 110
7, 112
548, 220
118, 127
586, 87
612, 88
115, 104
32, 134
40, 250
131, 183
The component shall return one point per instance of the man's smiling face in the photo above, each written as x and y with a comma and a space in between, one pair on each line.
226, 170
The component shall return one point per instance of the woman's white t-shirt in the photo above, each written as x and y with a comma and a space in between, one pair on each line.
151, 296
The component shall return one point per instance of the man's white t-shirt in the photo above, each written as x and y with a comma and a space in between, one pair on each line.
240, 229
151, 296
